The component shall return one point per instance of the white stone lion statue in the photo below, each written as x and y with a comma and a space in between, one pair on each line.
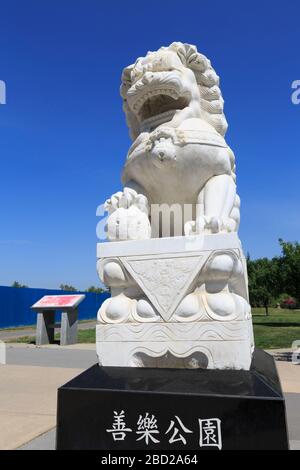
174, 303
174, 109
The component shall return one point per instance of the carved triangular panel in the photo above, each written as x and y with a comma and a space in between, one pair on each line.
164, 280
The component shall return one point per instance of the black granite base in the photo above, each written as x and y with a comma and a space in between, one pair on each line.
112, 408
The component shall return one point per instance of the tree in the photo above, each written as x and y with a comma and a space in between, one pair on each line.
68, 288
290, 268
270, 278
97, 290
18, 285
263, 276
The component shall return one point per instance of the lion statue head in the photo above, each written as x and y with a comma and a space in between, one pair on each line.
169, 86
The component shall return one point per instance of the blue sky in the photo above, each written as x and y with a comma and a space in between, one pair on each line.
63, 136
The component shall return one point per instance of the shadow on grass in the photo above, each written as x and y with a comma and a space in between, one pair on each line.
277, 324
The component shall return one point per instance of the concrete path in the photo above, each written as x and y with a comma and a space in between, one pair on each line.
45, 441
79, 356
293, 417
29, 382
28, 387
28, 401
290, 376
8, 334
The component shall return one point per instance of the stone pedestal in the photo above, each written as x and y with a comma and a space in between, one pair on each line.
176, 302
112, 408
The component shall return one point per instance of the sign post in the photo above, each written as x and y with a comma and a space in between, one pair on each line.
46, 308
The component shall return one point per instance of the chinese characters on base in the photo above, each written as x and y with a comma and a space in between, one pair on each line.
147, 430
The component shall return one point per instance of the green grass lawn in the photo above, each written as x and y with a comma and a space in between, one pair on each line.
84, 336
278, 330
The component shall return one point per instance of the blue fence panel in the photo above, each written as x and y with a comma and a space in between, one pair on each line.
15, 304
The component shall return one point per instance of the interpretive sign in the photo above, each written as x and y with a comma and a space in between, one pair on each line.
46, 308
58, 302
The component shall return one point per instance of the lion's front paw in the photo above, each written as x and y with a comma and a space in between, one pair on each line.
206, 224
219, 224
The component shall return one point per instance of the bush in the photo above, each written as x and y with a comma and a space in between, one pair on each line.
289, 302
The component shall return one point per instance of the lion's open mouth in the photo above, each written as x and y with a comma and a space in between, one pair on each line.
160, 108
156, 97
159, 104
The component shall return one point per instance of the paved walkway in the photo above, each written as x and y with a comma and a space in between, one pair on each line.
75, 356
45, 441
29, 382
28, 401
28, 387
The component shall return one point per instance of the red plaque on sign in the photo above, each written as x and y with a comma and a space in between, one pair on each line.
58, 301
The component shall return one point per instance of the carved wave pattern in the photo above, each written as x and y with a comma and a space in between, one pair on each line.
231, 331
